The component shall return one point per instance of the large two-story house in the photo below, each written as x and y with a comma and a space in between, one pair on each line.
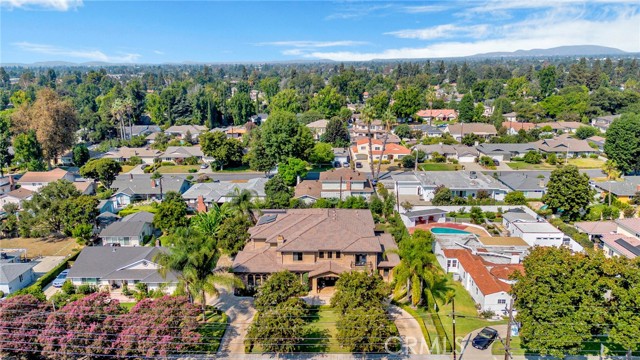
317, 244
360, 151
334, 184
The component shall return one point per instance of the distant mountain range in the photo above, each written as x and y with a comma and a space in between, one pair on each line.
574, 50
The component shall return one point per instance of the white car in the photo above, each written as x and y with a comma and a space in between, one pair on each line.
60, 279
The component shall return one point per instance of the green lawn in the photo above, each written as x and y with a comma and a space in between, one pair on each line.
127, 305
439, 167
178, 169
521, 165
126, 168
137, 208
321, 336
587, 163
498, 348
212, 331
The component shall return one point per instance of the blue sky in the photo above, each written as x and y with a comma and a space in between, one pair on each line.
229, 31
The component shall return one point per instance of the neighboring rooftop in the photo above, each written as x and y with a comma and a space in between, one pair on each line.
596, 227
43, 176
459, 180
502, 241
630, 224
625, 245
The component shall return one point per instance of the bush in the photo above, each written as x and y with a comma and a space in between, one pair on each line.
487, 314
629, 212
490, 215
193, 170
1, 294
68, 288
386, 162
87, 289
167, 163
453, 161
593, 156
191, 161
533, 157
133, 161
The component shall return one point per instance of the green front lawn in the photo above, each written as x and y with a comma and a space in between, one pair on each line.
587, 163
127, 305
498, 348
178, 169
322, 332
212, 331
521, 165
439, 167
137, 208
126, 168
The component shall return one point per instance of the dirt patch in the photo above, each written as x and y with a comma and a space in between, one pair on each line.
49, 246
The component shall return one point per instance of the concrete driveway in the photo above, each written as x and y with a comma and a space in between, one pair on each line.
43, 266
470, 353
240, 311
409, 330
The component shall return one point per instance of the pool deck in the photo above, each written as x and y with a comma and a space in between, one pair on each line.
464, 227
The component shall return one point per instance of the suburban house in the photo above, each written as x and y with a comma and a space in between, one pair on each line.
483, 266
458, 131
259, 118
235, 132
182, 131
561, 126
86, 187
623, 190
423, 216
531, 185
360, 152
334, 184
510, 117
504, 152
14, 275
318, 128
595, 229
513, 127
316, 244
461, 183
361, 128
341, 155
130, 188
131, 230
35, 180
177, 154
461, 153
16, 196
427, 130
67, 158
112, 267
6, 184
620, 237
220, 192
565, 146
597, 141
603, 122
141, 130
620, 245
125, 153
430, 115
536, 231
629, 227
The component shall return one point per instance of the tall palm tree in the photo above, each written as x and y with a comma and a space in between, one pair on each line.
368, 115
417, 267
389, 120
611, 169
242, 202
209, 222
121, 109
193, 257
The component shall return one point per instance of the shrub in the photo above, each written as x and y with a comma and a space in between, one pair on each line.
191, 161
68, 288
386, 162
490, 215
193, 170
1, 294
487, 314
453, 161
133, 161
533, 157
629, 212
167, 163
593, 156
86, 289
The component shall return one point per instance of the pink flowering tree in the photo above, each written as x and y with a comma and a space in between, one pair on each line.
21, 324
159, 327
86, 327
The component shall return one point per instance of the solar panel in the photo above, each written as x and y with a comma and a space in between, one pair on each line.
635, 250
267, 219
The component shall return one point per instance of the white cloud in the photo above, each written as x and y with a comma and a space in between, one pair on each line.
158, 52
544, 32
500, 5
312, 44
60, 5
293, 52
441, 32
354, 11
424, 9
89, 55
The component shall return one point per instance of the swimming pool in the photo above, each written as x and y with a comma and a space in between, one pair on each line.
448, 231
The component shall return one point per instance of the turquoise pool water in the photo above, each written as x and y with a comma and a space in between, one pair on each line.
442, 230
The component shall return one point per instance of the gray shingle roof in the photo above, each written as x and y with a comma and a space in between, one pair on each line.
140, 184
212, 192
123, 228
462, 180
103, 262
524, 181
11, 271
627, 187
142, 216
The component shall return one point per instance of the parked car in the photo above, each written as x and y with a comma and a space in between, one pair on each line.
60, 279
337, 164
359, 165
144, 166
345, 164
496, 162
204, 166
485, 338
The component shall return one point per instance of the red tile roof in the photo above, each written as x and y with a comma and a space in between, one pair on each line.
476, 268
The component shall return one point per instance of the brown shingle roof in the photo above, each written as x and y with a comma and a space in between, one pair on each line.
327, 267
342, 173
43, 176
310, 188
20, 193
472, 128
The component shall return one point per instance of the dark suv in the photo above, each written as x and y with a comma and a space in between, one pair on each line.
485, 338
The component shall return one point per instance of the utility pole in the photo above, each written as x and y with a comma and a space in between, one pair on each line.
415, 166
453, 320
397, 198
507, 348
340, 187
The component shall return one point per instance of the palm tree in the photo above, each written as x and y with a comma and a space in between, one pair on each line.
368, 115
417, 267
209, 222
611, 169
242, 202
121, 109
193, 257
389, 119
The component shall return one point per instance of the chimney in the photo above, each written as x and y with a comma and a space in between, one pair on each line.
638, 188
130, 177
297, 179
541, 183
200, 206
476, 143
280, 240
153, 183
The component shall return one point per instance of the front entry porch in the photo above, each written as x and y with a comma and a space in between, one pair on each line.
324, 285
